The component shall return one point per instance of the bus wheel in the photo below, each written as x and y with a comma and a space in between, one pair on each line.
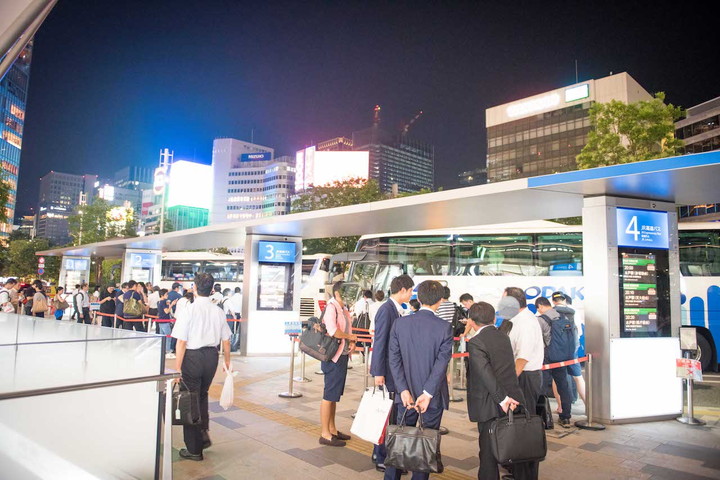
704, 353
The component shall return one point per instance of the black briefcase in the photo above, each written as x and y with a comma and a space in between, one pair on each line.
518, 438
413, 449
545, 412
185, 406
315, 341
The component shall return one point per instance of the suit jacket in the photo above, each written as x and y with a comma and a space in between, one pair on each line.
491, 374
384, 321
420, 350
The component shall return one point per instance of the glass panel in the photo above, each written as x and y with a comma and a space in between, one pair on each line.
363, 275
559, 254
179, 270
699, 253
494, 255
223, 271
422, 255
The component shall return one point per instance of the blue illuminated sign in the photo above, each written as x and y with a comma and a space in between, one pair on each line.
253, 157
142, 260
642, 228
276, 252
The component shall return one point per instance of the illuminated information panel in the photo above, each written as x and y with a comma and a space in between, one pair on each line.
640, 292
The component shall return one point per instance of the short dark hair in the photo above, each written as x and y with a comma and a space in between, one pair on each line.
430, 292
337, 286
60, 288
466, 297
379, 295
11, 281
226, 292
446, 292
518, 294
482, 313
400, 282
163, 291
542, 301
204, 284
77, 285
415, 304
238, 290
560, 297
367, 294
131, 284
217, 287
176, 285
37, 284
124, 285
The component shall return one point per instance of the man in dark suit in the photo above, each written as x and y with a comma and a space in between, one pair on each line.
420, 350
492, 383
400, 292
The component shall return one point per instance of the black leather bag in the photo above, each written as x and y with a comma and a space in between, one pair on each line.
518, 438
185, 406
544, 412
315, 341
413, 449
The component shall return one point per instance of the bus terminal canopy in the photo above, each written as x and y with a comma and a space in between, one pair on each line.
683, 180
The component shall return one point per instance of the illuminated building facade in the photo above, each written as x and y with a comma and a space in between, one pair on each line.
397, 159
543, 134
314, 168
248, 182
59, 195
13, 99
700, 130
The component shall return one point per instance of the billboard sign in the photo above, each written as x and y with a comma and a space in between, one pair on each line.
317, 168
159, 180
642, 228
256, 156
190, 185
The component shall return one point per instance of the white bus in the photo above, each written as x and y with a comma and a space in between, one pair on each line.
540, 257
227, 270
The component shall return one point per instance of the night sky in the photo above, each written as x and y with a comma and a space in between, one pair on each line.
114, 82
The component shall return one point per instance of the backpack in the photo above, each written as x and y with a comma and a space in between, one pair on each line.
457, 326
132, 307
563, 335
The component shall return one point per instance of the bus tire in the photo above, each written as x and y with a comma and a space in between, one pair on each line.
704, 353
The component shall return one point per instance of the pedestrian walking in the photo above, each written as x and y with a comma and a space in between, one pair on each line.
6, 303
40, 303
59, 303
133, 307
199, 329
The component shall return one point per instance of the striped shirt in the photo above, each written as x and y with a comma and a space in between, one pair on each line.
446, 311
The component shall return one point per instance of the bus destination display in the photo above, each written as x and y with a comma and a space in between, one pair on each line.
639, 290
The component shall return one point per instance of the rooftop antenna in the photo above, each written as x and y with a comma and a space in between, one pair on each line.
376, 115
252, 135
576, 72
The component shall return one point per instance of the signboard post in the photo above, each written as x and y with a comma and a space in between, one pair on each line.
691, 370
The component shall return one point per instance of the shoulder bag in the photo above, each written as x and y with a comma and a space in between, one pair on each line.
413, 449
40, 305
315, 341
185, 406
518, 438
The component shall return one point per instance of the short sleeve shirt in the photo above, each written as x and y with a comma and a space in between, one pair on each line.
136, 296
527, 340
161, 306
201, 324
337, 318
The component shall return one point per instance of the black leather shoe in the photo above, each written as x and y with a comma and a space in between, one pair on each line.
380, 467
333, 442
190, 456
207, 443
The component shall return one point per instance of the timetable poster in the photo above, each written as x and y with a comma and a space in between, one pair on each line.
639, 291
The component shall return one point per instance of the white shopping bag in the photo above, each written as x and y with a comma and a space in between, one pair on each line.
372, 415
228, 391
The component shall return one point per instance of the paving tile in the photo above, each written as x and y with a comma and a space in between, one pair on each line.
214, 407
708, 456
555, 446
213, 477
345, 457
309, 457
663, 473
462, 436
464, 464
226, 422
591, 447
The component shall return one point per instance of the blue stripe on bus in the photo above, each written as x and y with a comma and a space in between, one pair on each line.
713, 306
697, 312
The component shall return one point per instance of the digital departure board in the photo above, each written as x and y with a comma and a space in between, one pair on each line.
640, 292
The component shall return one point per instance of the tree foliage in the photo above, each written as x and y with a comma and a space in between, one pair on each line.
22, 262
626, 133
337, 194
100, 221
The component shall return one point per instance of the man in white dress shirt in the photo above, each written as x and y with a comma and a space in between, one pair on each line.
199, 329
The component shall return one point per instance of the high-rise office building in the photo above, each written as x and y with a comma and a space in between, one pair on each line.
248, 182
134, 177
543, 134
476, 176
700, 130
337, 144
397, 159
13, 99
60, 193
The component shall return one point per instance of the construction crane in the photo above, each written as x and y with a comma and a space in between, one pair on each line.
409, 124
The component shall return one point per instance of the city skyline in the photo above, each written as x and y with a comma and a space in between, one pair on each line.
108, 88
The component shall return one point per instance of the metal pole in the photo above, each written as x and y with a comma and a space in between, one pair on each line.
367, 366
689, 417
290, 393
302, 378
588, 424
453, 398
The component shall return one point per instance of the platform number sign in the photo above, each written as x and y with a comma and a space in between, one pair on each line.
642, 228
276, 252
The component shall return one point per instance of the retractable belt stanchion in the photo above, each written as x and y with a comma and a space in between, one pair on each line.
290, 393
302, 378
453, 398
367, 365
589, 424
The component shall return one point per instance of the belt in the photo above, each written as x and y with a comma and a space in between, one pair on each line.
198, 349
